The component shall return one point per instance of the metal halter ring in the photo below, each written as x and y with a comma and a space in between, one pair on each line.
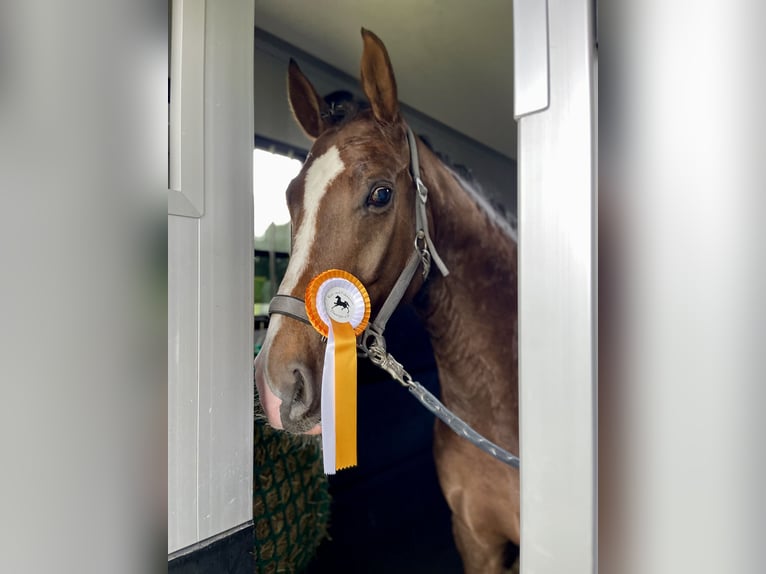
372, 344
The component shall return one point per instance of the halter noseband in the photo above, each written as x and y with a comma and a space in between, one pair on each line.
424, 252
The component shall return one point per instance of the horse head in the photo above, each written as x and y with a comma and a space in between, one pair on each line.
352, 207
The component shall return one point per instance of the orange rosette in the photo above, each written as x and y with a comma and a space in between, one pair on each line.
338, 295
338, 306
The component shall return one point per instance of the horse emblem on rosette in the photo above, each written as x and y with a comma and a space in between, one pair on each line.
340, 303
429, 238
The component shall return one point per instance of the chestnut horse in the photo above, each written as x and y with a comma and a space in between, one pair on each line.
352, 207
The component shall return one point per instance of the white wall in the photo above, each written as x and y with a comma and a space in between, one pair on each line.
210, 299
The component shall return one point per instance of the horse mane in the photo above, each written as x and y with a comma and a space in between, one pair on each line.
496, 211
343, 106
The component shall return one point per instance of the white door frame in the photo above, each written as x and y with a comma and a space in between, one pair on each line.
210, 273
555, 64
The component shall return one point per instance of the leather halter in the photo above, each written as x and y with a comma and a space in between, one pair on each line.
424, 252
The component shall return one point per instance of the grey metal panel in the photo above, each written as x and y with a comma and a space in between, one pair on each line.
211, 300
557, 293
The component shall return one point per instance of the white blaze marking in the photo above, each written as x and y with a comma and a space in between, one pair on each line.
319, 176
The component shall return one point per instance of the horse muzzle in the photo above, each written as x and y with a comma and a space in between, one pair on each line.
295, 405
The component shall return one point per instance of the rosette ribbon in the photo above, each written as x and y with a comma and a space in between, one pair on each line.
338, 307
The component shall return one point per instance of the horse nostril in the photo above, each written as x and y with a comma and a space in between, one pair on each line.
300, 387
301, 412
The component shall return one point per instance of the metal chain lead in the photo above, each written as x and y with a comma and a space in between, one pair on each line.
378, 355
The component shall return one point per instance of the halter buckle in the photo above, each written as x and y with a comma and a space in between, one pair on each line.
421, 246
422, 189
420, 240
425, 258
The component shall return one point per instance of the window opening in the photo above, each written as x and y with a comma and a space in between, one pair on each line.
274, 166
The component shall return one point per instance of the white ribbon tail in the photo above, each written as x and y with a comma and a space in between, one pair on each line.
328, 406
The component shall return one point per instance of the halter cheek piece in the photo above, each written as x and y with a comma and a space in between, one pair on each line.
372, 344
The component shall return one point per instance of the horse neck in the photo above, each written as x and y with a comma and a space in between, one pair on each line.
471, 315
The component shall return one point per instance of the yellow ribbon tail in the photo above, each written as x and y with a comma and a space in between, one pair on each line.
345, 394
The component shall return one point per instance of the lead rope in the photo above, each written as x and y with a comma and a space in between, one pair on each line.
377, 354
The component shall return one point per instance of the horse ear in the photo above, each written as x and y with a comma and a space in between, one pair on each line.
308, 108
378, 80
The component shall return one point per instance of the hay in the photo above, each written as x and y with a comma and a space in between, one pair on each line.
291, 503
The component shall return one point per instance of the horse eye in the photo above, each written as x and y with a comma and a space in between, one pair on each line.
379, 196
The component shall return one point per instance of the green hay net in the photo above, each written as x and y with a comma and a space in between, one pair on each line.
291, 503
